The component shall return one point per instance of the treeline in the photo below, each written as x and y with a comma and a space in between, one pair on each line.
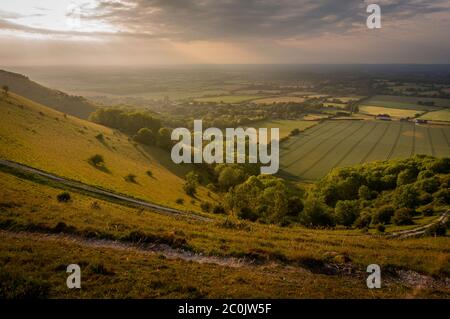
142, 126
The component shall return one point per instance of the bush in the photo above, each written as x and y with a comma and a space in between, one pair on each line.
425, 198
436, 230
247, 214
205, 206
295, 206
131, 178
442, 196
100, 137
364, 220
346, 212
218, 209
97, 160
192, 181
364, 192
403, 216
63, 197
429, 185
381, 228
179, 201
405, 177
316, 213
383, 215
406, 196
145, 136
149, 173
427, 210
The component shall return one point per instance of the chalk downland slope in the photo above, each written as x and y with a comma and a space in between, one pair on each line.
22, 85
40, 137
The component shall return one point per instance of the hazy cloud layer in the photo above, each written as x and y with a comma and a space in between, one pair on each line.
231, 19
231, 31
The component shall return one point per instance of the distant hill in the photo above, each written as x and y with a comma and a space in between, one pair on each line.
22, 85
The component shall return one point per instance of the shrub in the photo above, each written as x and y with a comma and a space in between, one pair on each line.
381, 228
429, 185
406, 196
442, 196
218, 209
63, 197
403, 216
145, 136
405, 177
364, 220
436, 230
364, 192
425, 198
100, 137
346, 212
205, 206
97, 160
441, 166
427, 210
295, 206
248, 214
191, 183
179, 201
316, 213
149, 173
383, 215
131, 178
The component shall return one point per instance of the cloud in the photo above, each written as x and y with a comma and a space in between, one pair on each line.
230, 19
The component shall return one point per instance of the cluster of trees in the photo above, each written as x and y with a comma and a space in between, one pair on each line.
384, 192
373, 194
129, 122
145, 128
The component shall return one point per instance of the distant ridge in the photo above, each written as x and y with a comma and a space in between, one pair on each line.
22, 85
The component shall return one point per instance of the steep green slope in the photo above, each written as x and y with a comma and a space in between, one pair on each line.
22, 85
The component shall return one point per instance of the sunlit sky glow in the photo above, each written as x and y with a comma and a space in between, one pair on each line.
141, 32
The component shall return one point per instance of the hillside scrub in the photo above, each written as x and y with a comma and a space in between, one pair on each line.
379, 193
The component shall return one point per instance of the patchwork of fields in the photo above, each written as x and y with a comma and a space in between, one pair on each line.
312, 154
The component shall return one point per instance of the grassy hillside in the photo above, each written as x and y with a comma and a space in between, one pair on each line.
288, 262
43, 138
22, 85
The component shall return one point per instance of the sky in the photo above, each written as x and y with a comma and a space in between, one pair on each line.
155, 32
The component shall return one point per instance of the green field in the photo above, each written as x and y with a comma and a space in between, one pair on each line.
312, 154
232, 99
394, 112
280, 99
441, 115
285, 126
404, 102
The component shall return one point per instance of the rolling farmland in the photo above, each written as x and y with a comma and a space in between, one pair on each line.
312, 154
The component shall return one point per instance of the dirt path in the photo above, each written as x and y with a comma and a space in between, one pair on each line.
104, 193
420, 231
161, 249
